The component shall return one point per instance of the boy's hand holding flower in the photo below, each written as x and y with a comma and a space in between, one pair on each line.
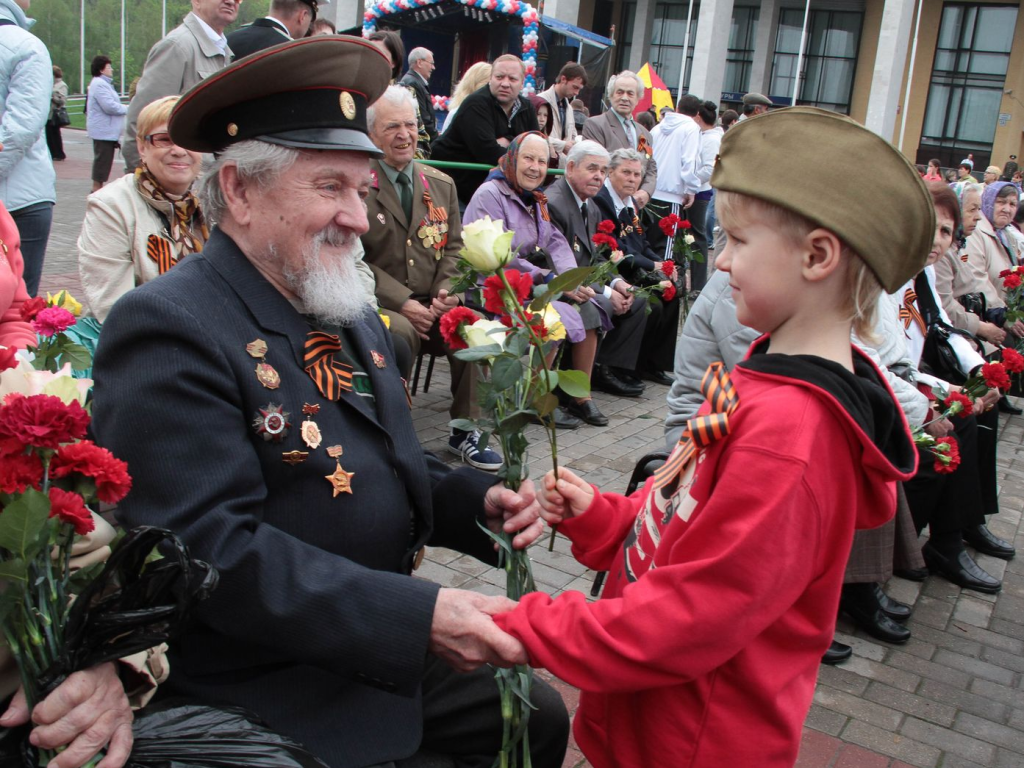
567, 497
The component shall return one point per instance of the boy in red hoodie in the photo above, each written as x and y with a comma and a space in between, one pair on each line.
724, 570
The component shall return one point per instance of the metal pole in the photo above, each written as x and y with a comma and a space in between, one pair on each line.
686, 46
910, 75
81, 43
122, 48
800, 55
163, 21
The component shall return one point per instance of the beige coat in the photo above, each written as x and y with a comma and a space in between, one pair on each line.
140, 672
556, 124
953, 278
986, 258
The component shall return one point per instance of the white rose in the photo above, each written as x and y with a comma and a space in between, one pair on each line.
488, 247
484, 332
690, 239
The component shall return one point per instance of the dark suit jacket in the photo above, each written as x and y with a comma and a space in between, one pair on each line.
316, 624
640, 257
404, 267
607, 131
415, 82
473, 136
262, 33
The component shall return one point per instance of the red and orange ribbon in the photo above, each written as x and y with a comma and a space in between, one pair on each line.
330, 376
909, 313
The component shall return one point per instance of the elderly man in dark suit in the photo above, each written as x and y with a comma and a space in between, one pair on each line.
413, 247
575, 213
416, 79
267, 425
616, 128
287, 20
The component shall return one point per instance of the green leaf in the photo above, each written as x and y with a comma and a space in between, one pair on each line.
545, 404
77, 355
505, 372
83, 577
13, 570
574, 383
475, 354
569, 280
551, 377
514, 423
501, 539
21, 523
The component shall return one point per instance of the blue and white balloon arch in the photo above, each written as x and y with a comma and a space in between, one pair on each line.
525, 11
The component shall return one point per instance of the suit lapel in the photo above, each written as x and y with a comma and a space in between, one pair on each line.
620, 133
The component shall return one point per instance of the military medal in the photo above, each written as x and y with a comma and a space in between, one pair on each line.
378, 359
265, 373
381, 219
294, 457
334, 451
309, 430
340, 480
271, 423
433, 230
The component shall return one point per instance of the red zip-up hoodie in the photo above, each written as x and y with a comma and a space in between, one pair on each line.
704, 649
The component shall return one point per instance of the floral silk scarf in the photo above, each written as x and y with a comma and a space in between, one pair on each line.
187, 227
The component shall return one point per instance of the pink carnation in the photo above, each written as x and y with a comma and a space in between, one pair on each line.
52, 320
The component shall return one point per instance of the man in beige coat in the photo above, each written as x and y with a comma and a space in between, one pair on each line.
412, 248
189, 53
572, 79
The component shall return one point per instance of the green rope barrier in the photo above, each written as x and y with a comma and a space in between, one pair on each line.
475, 166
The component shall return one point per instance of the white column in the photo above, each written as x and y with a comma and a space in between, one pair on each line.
563, 10
890, 63
643, 29
710, 49
345, 14
764, 47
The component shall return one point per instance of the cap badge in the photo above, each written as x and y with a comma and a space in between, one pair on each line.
232, 130
348, 105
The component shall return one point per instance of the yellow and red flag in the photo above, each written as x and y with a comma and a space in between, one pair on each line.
655, 92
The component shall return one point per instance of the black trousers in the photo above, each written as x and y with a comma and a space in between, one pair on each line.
657, 352
697, 215
620, 347
988, 436
462, 719
54, 141
948, 502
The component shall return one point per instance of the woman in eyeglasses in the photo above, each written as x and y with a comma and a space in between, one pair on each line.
141, 225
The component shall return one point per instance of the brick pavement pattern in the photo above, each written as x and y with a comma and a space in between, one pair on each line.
952, 697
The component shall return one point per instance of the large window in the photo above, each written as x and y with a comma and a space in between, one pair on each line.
968, 76
740, 57
667, 36
830, 60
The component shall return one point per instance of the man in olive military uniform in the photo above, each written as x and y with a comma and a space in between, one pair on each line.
266, 423
413, 247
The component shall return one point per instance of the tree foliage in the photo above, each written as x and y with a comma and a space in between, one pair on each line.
58, 25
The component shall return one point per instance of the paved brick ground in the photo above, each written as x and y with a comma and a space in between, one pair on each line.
953, 697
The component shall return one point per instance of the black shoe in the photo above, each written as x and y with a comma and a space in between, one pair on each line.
1005, 406
588, 411
859, 602
836, 653
911, 574
961, 570
563, 419
629, 377
894, 609
986, 542
658, 377
603, 380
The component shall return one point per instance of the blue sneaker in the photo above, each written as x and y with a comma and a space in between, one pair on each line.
465, 444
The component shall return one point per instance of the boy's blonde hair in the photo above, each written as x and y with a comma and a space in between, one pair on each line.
864, 286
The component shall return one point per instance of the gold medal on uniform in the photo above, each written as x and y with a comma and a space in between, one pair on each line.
378, 359
334, 451
433, 229
309, 430
265, 373
294, 457
340, 480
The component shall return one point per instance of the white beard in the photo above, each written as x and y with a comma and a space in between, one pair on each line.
331, 289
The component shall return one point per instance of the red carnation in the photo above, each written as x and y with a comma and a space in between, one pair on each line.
42, 421
995, 376
521, 282
70, 508
669, 224
7, 358
669, 269
20, 471
603, 239
607, 226
1013, 361
669, 293
966, 406
1011, 281
52, 320
685, 224
947, 455
450, 322
31, 308
87, 458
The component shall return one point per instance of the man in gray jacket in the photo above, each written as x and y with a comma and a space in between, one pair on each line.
190, 53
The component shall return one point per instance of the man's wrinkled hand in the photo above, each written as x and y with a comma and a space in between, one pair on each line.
422, 319
464, 636
87, 712
442, 303
514, 513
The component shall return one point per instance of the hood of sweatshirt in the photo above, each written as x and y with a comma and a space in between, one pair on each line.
671, 121
869, 411
12, 11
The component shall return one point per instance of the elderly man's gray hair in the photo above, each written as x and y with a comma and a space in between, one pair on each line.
586, 148
625, 73
395, 95
418, 54
620, 156
256, 162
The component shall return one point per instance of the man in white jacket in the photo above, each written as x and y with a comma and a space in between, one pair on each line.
676, 151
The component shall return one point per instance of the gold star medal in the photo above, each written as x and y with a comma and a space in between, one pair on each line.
340, 480
309, 430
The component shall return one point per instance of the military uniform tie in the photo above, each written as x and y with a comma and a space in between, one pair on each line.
405, 195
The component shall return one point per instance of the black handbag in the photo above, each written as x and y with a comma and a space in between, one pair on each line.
974, 303
938, 356
61, 118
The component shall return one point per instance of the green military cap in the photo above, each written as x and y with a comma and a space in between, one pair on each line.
315, 5
309, 94
880, 207
757, 100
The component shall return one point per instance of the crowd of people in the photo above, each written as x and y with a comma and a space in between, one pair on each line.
281, 216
